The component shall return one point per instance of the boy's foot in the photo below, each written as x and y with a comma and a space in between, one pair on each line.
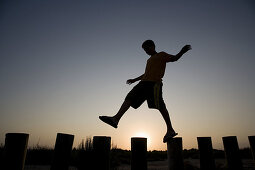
108, 120
168, 137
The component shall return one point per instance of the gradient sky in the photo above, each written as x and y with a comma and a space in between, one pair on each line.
65, 62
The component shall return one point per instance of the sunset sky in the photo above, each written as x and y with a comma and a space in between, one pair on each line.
65, 62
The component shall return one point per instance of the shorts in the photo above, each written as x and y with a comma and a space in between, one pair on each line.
147, 90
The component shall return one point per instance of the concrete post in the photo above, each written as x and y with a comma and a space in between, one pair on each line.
252, 145
174, 153
15, 150
101, 150
62, 151
207, 161
139, 153
232, 153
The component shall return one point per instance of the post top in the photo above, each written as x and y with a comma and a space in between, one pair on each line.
16, 134
139, 139
101, 137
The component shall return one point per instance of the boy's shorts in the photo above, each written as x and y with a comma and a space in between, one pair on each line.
147, 90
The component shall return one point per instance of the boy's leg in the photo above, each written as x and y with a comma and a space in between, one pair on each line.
114, 120
135, 98
170, 131
124, 107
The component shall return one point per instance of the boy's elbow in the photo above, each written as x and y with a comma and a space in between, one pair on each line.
174, 59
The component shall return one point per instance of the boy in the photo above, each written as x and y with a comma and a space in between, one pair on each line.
149, 88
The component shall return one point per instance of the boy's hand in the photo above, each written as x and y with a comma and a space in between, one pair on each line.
186, 48
130, 81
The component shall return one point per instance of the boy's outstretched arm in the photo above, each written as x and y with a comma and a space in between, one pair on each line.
130, 81
173, 58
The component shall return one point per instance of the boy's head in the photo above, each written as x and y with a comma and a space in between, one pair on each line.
149, 47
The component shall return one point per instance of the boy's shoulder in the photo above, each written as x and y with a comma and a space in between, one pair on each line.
160, 56
163, 53
163, 56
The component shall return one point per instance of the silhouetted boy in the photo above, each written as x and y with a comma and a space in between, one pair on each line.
149, 88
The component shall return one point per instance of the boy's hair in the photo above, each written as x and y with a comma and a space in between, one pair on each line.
148, 43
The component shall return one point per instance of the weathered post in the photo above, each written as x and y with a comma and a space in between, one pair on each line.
139, 153
174, 153
101, 150
62, 152
252, 145
15, 150
207, 161
232, 153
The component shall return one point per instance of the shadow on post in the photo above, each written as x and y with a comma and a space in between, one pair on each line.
252, 145
62, 151
15, 150
101, 152
207, 161
174, 154
232, 153
139, 153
